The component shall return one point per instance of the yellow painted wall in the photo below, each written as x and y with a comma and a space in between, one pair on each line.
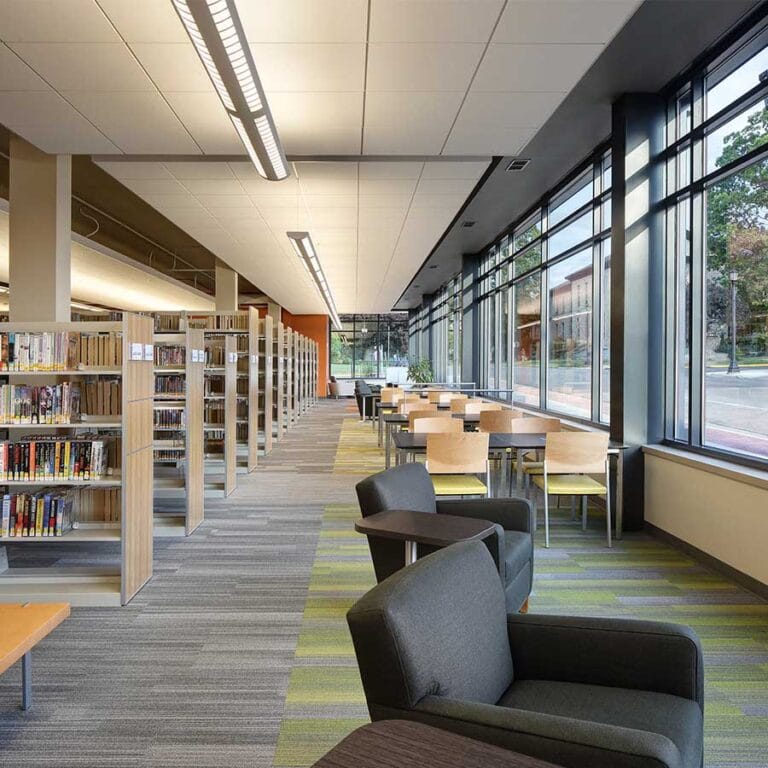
721, 516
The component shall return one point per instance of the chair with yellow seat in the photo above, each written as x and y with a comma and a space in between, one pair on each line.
532, 425
571, 462
454, 462
410, 407
446, 398
498, 422
459, 404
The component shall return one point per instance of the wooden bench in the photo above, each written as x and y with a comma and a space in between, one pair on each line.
22, 627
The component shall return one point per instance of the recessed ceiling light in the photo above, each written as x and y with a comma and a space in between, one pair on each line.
215, 30
305, 250
518, 164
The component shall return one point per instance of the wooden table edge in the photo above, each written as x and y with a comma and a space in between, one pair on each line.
28, 643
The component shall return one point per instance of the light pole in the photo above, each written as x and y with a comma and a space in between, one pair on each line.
733, 366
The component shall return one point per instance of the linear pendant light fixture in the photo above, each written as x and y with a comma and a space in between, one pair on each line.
217, 34
305, 250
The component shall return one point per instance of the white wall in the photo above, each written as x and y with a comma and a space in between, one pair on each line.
722, 510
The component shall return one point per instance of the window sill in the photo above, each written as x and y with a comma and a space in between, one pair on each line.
727, 469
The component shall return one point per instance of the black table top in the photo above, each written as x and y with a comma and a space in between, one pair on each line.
413, 745
424, 527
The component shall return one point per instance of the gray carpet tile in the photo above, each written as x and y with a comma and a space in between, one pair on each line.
194, 671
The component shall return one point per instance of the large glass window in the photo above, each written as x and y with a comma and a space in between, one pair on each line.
717, 243
527, 340
569, 375
372, 346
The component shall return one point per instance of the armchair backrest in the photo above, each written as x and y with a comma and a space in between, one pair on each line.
362, 387
405, 487
437, 627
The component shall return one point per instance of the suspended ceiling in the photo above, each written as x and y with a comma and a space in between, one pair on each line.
343, 77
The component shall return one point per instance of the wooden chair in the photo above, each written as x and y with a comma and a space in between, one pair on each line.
433, 395
481, 407
390, 396
445, 398
498, 422
570, 460
458, 404
455, 460
410, 406
431, 421
532, 425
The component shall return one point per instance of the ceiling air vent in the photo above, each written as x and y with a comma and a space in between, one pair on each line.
468, 224
518, 164
434, 266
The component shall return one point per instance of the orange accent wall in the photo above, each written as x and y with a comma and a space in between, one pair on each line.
315, 327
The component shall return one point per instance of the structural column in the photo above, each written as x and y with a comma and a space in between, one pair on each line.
470, 321
227, 295
39, 234
637, 285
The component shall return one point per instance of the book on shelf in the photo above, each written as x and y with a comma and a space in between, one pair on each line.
169, 417
213, 412
167, 356
215, 356
241, 432
103, 397
54, 404
167, 323
59, 350
233, 322
35, 515
45, 458
172, 384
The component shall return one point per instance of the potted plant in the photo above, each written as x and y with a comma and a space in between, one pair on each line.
420, 372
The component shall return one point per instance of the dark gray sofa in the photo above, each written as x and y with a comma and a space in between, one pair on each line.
435, 644
410, 487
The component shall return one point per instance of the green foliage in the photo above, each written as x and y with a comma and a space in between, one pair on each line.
420, 372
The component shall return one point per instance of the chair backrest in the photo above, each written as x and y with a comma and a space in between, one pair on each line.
464, 453
459, 404
390, 395
433, 395
362, 387
498, 422
333, 388
446, 398
576, 452
531, 425
418, 405
437, 627
424, 422
480, 407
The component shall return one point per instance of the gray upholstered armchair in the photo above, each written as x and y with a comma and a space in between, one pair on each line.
410, 487
435, 644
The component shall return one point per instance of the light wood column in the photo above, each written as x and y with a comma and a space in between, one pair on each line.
39, 234
226, 290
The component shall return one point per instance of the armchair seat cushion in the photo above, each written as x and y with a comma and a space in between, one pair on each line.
518, 553
458, 485
657, 714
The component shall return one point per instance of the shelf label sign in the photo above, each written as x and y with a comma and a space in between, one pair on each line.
137, 350
149, 353
233, 357
195, 358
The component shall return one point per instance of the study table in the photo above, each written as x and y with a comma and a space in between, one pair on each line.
409, 442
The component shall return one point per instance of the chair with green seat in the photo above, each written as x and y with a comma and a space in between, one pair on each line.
454, 461
571, 462
532, 425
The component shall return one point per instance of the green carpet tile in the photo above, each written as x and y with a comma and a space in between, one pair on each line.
640, 577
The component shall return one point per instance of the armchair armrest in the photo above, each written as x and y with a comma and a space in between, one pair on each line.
510, 514
549, 737
622, 653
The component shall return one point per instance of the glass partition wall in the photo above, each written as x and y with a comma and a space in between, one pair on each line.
370, 346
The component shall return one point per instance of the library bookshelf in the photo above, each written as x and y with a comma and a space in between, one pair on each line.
178, 428
110, 365
278, 381
266, 386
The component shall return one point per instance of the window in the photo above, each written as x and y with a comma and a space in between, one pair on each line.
372, 346
527, 340
569, 375
717, 244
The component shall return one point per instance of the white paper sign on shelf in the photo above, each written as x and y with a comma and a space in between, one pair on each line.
233, 357
137, 350
253, 358
195, 358
149, 353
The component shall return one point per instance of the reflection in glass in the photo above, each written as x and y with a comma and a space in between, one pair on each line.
527, 341
736, 354
527, 260
723, 89
577, 196
682, 310
576, 232
569, 371
605, 334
